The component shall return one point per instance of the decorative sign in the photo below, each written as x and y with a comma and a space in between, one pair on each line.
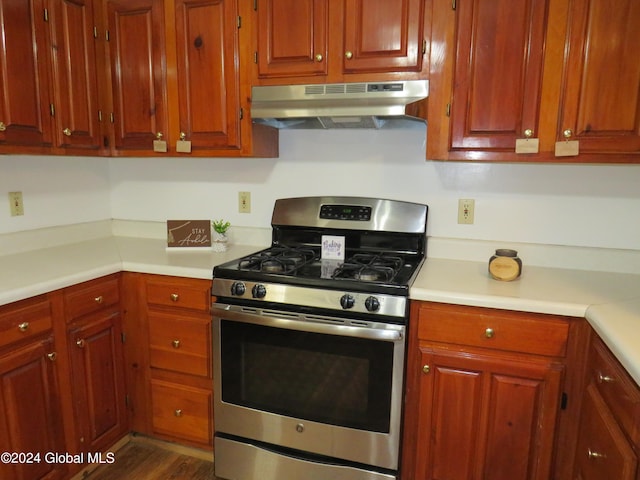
188, 233
332, 247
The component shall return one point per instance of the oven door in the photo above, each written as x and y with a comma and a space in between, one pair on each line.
325, 385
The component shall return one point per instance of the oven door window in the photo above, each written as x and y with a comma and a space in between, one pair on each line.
333, 379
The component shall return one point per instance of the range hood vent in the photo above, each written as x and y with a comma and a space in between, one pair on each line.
339, 105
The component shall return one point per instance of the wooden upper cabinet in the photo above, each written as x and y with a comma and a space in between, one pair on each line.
76, 82
502, 71
318, 41
293, 38
208, 96
25, 95
137, 62
601, 92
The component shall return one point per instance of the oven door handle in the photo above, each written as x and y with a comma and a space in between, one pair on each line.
312, 324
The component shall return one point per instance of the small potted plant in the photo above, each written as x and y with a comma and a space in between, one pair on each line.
220, 238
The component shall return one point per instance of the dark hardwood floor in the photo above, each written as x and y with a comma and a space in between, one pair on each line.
147, 461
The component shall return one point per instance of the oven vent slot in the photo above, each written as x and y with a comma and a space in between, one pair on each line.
356, 323
276, 314
334, 321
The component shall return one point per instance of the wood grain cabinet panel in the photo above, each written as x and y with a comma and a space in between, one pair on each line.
29, 402
476, 409
318, 41
25, 75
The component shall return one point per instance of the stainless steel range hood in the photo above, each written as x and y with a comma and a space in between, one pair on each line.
339, 105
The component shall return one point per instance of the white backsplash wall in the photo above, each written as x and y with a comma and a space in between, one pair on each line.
581, 205
55, 191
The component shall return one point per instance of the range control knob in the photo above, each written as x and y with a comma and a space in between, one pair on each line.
347, 301
372, 304
259, 291
238, 288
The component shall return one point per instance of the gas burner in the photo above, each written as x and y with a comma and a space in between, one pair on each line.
278, 260
370, 267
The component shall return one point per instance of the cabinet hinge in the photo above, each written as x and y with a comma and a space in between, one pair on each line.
95, 32
52, 110
107, 36
453, 4
126, 400
45, 15
255, 57
239, 21
112, 118
563, 402
241, 113
424, 46
255, 5
123, 337
448, 112
100, 116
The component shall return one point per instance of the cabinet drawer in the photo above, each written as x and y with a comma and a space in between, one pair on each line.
619, 390
195, 295
91, 297
501, 330
603, 450
180, 344
182, 412
24, 320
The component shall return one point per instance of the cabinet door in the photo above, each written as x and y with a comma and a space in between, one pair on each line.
383, 36
137, 53
25, 99
30, 412
482, 416
208, 91
486, 76
75, 74
292, 37
603, 450
98, 379
601, 101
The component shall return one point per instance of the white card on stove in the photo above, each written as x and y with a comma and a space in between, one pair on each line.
332, 247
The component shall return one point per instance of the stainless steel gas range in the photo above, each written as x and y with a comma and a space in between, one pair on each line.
309, 342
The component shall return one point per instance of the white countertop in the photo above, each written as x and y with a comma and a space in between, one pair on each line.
609, 301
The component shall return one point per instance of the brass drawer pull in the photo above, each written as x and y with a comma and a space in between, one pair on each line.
595, 455
99, 299
489, 333
67, 132
602, 378
426, 369
176, 344
178, 412
80, 343
23, 326
174, 297
3, 127
52, 356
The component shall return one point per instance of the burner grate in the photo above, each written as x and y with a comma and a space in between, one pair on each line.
284, 260
370, 267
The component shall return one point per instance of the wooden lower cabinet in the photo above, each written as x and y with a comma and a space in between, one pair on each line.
30, 412
484, 393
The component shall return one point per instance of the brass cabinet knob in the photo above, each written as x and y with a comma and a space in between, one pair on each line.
174, 297
528, 133
568, 133
426, 369
183, 136
319, 57
99, 299
176, 344
489, 333
603, 378
23, 326
3, 127
348, 55
67, 132
178, 412
52, 356
595, 455
80, 343
159, 136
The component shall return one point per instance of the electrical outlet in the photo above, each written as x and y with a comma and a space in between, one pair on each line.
466, 210
15, 204
244, 202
